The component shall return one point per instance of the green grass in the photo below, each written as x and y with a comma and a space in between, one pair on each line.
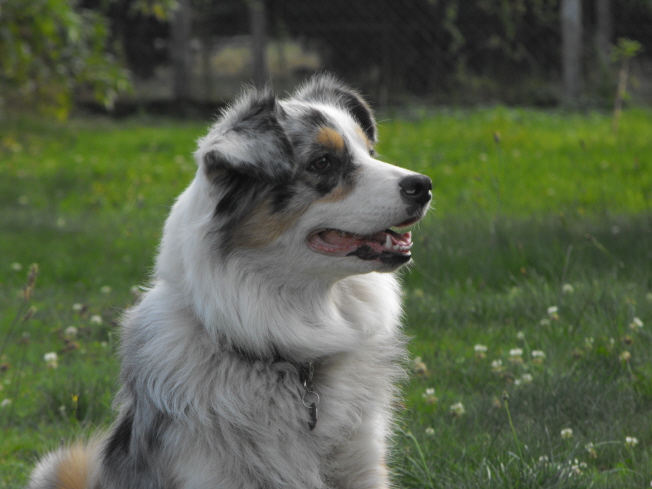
533, 209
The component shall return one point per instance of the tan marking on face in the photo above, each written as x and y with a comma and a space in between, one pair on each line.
72, 472
262, 227
338, 193
331, 139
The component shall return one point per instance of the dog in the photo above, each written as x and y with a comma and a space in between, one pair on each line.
267, 350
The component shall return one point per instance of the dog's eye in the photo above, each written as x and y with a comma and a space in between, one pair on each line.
321, 164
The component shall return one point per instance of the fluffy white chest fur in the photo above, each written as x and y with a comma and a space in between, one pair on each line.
266, 352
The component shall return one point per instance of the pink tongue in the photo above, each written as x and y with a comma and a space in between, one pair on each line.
336, 238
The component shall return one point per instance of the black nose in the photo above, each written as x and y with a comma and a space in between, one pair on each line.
415, 189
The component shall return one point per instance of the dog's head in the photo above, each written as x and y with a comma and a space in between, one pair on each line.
296, 181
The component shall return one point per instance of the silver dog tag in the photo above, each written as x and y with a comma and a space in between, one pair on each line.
311, 401
313, 416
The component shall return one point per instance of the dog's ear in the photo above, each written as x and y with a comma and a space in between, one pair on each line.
328, 89
249, 139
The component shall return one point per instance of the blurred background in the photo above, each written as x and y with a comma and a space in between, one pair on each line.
175, 54
531, 298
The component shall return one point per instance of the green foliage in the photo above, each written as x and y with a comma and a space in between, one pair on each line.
52, 49
529, 303
626, 49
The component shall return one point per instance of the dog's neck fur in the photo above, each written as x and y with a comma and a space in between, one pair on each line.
269, 318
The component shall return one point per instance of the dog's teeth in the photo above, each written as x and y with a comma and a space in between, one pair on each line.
388, 243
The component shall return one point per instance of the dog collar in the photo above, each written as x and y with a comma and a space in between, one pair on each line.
310, 398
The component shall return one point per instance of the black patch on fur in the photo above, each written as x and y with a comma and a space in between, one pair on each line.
155, 431
117, 447
239, 192
281, 196
342, 172
314, 118
130, 457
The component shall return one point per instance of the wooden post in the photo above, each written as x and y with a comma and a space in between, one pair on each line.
571, 35
259, 37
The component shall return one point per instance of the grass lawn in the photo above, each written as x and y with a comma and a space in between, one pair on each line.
529, 302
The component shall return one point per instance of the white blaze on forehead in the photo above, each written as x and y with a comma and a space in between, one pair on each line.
342, 123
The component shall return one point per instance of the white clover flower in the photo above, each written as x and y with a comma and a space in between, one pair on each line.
591, 449
429, 395
457, 409
567, 289
106, 289
566, 433
480, 349
625, 356
70, 332
636, 324
430, 431
516, 352
51, 359
630, 441
96, 319
497, 365
526, 378
77, 307
538, 354
544, 322
553, 310
520, 336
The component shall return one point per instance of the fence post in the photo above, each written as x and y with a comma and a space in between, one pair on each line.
571, 37
259, 37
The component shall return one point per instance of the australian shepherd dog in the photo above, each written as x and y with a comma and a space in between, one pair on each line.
266, 351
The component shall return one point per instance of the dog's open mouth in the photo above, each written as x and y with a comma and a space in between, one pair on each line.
387, 246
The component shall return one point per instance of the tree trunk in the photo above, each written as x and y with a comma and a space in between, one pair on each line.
259, 37
571, 35
181, 56
604, 32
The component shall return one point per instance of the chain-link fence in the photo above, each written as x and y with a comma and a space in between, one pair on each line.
398, 51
